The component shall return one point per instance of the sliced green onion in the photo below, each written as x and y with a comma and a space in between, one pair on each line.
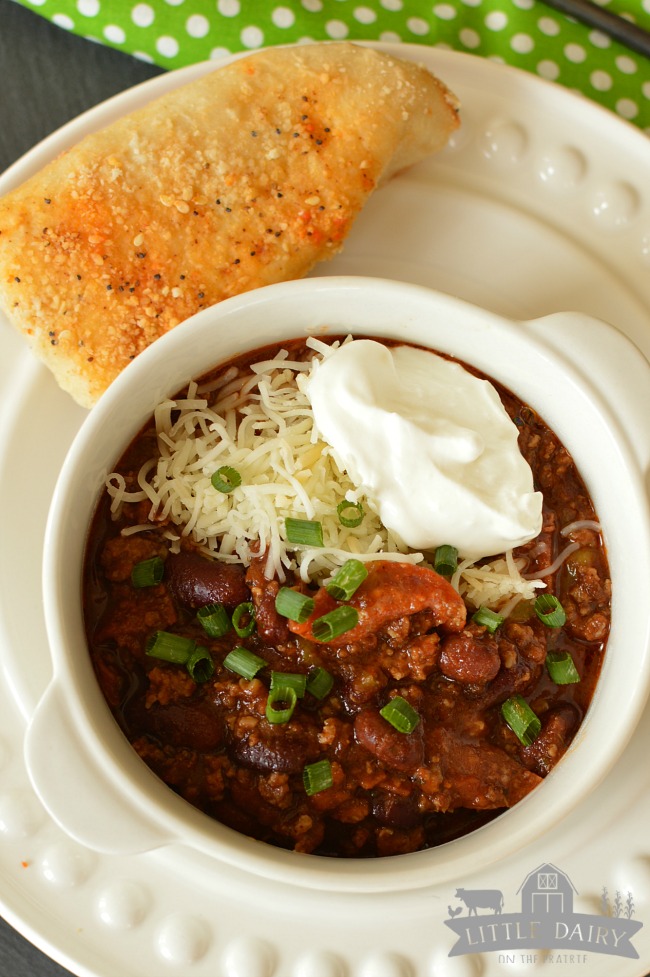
550, 611
317, 776
294, 605
347, 579
335, 623
521, 719
350, 514
488, 619
400, 714
200, 664
286, 698
561, 668
304, 532
225, 479
148, 573
170, 647
445, 560
290, 680
244, 662
214, 620
243, 619
319, 682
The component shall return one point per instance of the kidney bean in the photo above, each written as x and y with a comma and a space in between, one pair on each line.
558, 728
195, 581
469, 658
395, 811
402, 751
282, 749
189, 725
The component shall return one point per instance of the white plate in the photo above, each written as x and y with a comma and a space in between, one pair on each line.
541, 204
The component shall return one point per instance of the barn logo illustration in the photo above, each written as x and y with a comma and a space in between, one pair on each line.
547, 919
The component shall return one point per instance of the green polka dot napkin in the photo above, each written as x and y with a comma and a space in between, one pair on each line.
523, 33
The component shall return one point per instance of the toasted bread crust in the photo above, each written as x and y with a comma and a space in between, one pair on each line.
247, 176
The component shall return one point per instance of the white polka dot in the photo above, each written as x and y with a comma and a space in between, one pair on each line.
549, 70
252, 37
524, 4
114, 34
601, 81
469, 37
627, 108
445, 11
312, 6
229, 8
143, 15
645, 88
575, 53
37, 3
392, 4
197, 25
167, 46
217, 53
88, 8
522, 43
141, 56
496, 20
174, 3
646, 6
62, 20
336, 29
390, 37
548, 26
599, 40
626, 64
283, 17
365, 15
417, 25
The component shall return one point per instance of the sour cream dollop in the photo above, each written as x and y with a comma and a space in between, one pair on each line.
430, 445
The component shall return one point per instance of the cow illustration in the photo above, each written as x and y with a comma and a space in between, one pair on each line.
481, 899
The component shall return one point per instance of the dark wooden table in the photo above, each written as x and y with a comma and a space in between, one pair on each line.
47, 77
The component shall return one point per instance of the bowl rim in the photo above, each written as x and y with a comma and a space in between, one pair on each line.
173, 818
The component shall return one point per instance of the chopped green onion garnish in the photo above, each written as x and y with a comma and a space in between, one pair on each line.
521, 719
317, 776
244, 662
214, 620
170, 647
350, 514
294, 605
561, 668
488, 619
445, 560
148, 573
550, 611
319, 682
286, 698
290, 680
200, 664
346, 580
243, 619
400, 714
305, 532
335, 623
225, 479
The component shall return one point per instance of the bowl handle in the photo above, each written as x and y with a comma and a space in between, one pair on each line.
89, 805
610, 364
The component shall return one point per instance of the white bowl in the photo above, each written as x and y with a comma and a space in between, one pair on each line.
565, 366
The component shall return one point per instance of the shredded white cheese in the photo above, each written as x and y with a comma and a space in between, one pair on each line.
498, 584
260, 422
